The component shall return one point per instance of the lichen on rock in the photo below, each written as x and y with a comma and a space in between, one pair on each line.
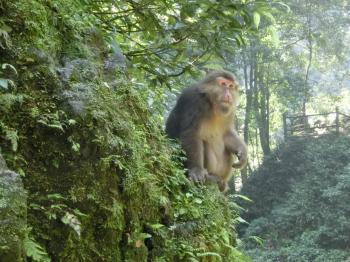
12, 215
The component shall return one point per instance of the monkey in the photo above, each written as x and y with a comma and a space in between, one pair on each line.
203, 121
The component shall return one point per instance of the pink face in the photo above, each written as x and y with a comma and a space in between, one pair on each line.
228, 88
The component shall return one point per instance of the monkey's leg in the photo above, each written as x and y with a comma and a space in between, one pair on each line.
194, 149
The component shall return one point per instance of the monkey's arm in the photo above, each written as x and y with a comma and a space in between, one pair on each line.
236, 146
188, 114
194, 148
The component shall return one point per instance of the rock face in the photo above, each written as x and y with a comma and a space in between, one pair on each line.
12, 215
99, 173
3, 166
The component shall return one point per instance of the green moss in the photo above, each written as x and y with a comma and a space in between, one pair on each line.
12, 216
102, 184
31, 20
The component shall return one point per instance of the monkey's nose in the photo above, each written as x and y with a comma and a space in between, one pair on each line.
227, 99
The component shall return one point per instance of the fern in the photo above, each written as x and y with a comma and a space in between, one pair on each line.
210, 254
10, 135
34, 250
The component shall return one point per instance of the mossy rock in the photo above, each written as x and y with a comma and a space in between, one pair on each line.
101, 177
13, 215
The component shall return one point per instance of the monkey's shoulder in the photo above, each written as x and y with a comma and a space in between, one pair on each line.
190, 109
192, 99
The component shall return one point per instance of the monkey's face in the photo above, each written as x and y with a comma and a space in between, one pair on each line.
226, 92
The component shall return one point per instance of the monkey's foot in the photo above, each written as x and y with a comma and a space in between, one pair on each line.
222, 183
223, 186
198, 175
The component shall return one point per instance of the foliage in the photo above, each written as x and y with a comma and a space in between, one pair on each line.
298, 65
300, 209
34, 250
82, 98
168, 38
102, 183
4, 82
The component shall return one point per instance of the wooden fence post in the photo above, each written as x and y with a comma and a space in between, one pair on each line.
337, 120
285, 133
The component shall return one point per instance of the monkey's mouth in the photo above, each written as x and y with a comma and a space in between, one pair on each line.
226, 103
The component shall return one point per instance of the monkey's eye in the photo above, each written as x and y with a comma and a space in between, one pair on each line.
222, 83
226, 83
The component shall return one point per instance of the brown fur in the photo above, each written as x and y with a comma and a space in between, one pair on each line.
204, 125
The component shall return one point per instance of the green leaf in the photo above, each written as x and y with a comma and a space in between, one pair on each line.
269, 15
144, 235
34, 250
6, 28
55, 196
79, 213
241, 197
210, 254
76, 147
258, 240
72, 221
4, 66
156, 226
198, 200
256, 19
241, 220
12, 136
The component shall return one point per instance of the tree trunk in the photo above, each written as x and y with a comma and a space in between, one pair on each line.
306, 87
259, 100
247, 85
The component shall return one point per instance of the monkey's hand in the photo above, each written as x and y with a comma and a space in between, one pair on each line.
198, 175
236, 146
242, 159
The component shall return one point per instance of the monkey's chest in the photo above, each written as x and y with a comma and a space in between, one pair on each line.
216, 159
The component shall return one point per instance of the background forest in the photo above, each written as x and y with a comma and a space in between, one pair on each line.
86, 172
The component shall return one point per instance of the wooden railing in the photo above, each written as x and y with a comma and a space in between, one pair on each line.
315, 124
